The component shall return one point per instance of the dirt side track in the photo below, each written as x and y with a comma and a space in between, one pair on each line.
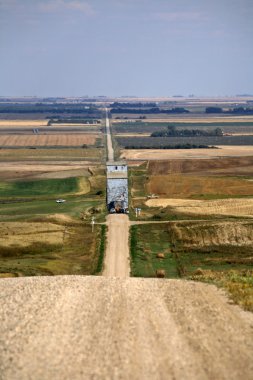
98, 328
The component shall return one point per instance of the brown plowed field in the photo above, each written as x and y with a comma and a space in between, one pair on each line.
185, 186
235, 207
235, 165
47, 140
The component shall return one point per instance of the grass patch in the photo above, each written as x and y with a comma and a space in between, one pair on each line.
238, 283
145, 243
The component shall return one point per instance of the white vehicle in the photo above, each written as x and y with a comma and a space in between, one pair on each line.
60, 200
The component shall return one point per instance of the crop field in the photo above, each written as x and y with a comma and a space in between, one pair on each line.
230, 207
44, 188
215, 252
46, 140
227, 165
193, 188
183, 118
163, 142
149, 127
22, 123
39, 236
192, 154
51, 154
189, 186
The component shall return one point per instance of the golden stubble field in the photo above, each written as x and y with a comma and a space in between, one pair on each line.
166, 154
206, 233
24, 233
22, 123
229, 207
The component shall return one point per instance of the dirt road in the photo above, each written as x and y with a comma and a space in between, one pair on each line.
74, 327
117, 261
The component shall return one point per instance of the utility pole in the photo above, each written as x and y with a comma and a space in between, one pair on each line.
92, 224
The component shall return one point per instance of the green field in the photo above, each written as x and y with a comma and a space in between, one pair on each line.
39, 188
149, 127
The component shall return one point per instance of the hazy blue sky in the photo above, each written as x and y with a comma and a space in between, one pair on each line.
126, 47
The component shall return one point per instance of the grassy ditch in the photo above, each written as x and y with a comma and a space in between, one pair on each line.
203, 256
101, 253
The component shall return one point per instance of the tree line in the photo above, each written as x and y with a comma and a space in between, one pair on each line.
153, 110
171, 131
234, 111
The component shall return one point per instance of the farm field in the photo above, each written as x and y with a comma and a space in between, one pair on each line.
46, 140
168, 154
44, 187
226, 165
163, 142
197, 116
49, 154
37, 235
147, 127
41, 237
224, 180
189, 186
17, 123
214, 252
228, 207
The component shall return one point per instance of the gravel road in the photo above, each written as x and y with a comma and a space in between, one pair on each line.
75, 327
110, 151
117, 261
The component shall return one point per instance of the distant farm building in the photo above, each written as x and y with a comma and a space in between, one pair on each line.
117, 187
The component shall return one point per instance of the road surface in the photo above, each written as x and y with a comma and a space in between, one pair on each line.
110, 151
117, 261
76, 327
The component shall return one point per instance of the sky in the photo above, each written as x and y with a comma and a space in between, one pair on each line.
126, 47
